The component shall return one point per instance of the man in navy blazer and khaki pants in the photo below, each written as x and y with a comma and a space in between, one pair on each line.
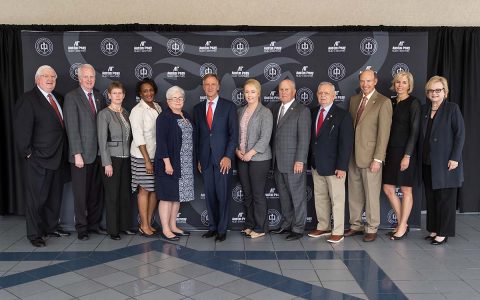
331, 146
217, 137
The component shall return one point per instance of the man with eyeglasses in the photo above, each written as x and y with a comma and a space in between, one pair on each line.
81, 108
330, 147
372, 116
216, 125
42, 141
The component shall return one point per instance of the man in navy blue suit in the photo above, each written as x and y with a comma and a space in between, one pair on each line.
331, 146
217, 137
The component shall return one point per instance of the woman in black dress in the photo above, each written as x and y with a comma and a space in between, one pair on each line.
400, 164
174, 163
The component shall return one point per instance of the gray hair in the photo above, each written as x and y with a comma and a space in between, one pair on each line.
84, 66
332, 86
43, 68
173, 90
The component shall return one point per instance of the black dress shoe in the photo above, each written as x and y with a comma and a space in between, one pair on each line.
221, 237
279, 231
129, 232
184, 233
172, 239
115, 237
209, 234
142, 233
429, 237
58, 233
293, 236
38, 242
83, 236
100, 231
435, 242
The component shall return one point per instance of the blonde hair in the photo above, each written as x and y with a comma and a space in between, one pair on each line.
254, 83
409, 77
440, 79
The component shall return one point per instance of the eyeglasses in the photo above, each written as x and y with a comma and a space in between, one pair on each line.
437, 91
323, 93
177, 99
49, 76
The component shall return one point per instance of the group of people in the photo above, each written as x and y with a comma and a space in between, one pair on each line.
155, 153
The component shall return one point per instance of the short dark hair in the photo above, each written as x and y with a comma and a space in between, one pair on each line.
115, 85
138, 87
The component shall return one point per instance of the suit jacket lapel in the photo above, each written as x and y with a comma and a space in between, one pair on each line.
84, 102
327, 120
218, 111
368, 107
287, 113
46, 104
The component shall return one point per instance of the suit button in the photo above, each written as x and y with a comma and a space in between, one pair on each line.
211, 134
315, 143
435, 139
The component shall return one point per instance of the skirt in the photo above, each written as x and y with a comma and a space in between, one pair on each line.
140, 176
391, 171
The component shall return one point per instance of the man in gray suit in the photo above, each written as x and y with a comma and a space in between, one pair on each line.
291, 136
80, 113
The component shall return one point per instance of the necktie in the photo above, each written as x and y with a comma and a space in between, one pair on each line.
55, 108
210, 115
92, 106
320, 121
361, 107
282, 112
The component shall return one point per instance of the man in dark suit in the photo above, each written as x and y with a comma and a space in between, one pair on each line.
81, 108
331, 146
217, 137
41, 139
291, 136
372, 117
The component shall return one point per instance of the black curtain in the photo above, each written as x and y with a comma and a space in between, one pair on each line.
453, 52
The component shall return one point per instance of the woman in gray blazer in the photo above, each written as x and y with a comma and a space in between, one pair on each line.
114, 138
254, 158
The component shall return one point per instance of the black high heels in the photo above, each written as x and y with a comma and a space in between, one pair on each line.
142, 233
436, 243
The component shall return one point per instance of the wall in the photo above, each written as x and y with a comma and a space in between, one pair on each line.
246, 12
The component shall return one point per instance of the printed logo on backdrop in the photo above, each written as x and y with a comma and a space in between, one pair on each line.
240, 73
391, 217
336, 71
272, 194
337, 47
271, 97
142, 48
204, 218
175, 47
274, 217
304, 46
304, 95
401, 47
176, 73
272, 48
364, 217
44, 46
238, 97
74, 71
272, 71
240, 218
339, 97
181, 220
208, 68
111, 73
143, 71
309, 193
368, 46
76, 48
106, 99
109, 47
399, 67
240, 46
304, 73
237, 193
208, 48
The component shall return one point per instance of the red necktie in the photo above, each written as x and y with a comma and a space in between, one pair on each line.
92, 106
210, 115
320, 121
55, 108
361, 107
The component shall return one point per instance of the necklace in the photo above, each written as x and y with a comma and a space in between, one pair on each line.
118, 110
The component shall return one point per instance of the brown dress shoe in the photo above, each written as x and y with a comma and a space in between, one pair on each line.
335, 239
369, 237
318, 233
352, 232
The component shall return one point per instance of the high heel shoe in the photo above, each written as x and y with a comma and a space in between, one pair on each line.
397, 238
436, 243
172, 239
429, 237
142, 233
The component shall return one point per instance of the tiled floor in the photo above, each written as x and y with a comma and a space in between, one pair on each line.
240, 268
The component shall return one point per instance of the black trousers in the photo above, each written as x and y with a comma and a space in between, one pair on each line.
118, 200
253, 176
441, 206
88, 195
43, 199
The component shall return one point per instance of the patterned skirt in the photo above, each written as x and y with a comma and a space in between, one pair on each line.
140, 176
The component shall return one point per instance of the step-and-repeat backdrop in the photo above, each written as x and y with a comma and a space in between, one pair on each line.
182, 58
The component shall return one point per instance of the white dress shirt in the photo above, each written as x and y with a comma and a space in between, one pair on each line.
143, 121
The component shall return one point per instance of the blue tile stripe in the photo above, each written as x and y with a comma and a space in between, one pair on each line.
370, 277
